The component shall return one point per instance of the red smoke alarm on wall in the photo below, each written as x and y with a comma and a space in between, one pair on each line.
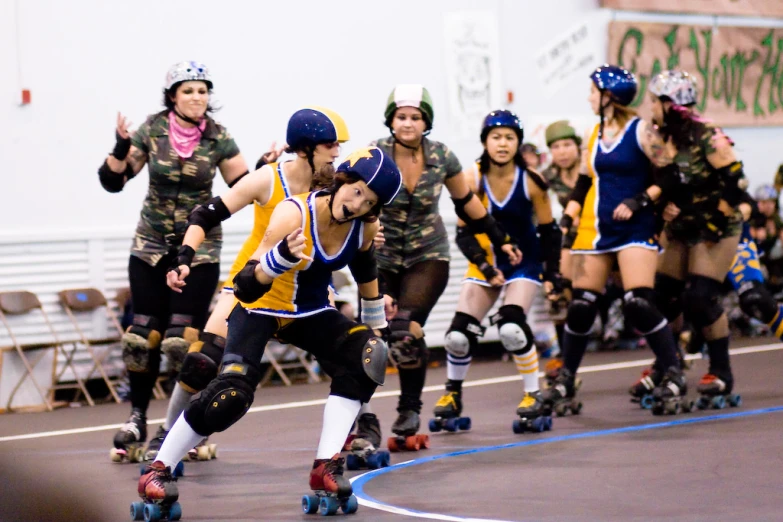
26, 97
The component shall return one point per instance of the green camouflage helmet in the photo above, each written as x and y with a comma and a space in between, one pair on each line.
410, 95
561, 130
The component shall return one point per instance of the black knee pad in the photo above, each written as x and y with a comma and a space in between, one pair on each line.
141, 337
226, 398
701, 301
756, 301
404, 349
640, 311
515, 334
668, 294
177, 339
367, 355
462, 336
202, 361
582, 311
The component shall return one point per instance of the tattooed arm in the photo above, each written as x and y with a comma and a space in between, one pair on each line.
658, 151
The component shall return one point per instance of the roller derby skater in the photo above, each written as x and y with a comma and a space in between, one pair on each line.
182, 147
669, 396
517, 198
129, 441
612, 200
313, 135
159, 493
414, 260
283, 292
702, 232
365, 447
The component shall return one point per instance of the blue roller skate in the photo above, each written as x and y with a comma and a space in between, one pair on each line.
365, 447
716, 393
532, 415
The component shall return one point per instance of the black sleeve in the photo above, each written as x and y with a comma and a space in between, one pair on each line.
551, 238
470, 248
583, 184
363, 266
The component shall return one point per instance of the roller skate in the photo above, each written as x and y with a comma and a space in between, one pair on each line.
405, 430
331, 490
129, 441
561, 397
551, 370
532, 416
448, 413
642, 390
159, 494
365, 447
715, 392
203, 451
152, 450
669, 396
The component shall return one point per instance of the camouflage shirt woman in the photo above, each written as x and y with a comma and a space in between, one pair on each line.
176, 186
412, 224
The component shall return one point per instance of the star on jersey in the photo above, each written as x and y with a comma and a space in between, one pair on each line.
360, 154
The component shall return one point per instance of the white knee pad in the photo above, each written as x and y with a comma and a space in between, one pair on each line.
457, 344
514, 339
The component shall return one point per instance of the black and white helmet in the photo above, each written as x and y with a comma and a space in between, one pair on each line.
188, 71
678, 86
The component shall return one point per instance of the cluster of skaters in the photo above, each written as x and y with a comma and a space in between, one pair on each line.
657, 205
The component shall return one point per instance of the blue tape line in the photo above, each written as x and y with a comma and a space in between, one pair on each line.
360, 481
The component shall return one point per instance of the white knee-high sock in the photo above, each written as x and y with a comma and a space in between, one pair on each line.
457, 367
180, 398
180, 439
339, 414
366, 408
527, 366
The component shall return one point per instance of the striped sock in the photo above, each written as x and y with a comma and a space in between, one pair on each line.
776, 324
457, 367
527, 366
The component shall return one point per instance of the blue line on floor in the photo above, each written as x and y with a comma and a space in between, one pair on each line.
360, 481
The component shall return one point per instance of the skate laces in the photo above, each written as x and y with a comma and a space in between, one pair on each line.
448, 400
133, 428
334, 466
527, 401
708, 379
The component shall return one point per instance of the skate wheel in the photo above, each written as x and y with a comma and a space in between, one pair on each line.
352, 462
672, 408
115, 455
646, 402
539, 424
152, 513
576, 408
328, 506
175, 511
464, 423
719, 402
310, 504
451, 425
135, 455
384, 460
518, 426
202, 452
392, 444
560, 409
213, 453
179, 470
434, 425
350, 505
137, 510
412, 443
735, 401
424, 440
703, 403
548, 423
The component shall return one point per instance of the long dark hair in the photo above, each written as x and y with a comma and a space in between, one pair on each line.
169, 94
345, 178
678, 123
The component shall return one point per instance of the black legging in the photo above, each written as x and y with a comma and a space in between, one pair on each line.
151, 296
417, 290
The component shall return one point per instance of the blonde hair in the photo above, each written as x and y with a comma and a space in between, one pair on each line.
622, 114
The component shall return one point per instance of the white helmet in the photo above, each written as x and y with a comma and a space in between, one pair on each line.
678, 86
188, 71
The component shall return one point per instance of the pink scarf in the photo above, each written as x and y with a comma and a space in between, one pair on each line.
184, 139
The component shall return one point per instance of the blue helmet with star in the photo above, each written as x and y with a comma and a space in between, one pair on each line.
618, 82
502, 118
314, 125
377, 170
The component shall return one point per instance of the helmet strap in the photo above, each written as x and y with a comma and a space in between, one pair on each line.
185, 118
604, 106
413, 150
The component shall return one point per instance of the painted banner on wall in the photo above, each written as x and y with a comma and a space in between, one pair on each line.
738, 69
712, 7
572, 54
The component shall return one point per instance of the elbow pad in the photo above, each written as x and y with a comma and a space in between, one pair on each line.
209, 215
113, 181
247, 288
363, 266
551, 238
469, 246
734, 182
583, 184
459, 206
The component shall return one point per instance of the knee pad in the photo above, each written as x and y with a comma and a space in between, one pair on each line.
701, 301
405, 350
640, 311
582, 312
462, 336
139, 339
201, 363
756, 301
515, 334
368, 348
225, 400
668, 295
178, 338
